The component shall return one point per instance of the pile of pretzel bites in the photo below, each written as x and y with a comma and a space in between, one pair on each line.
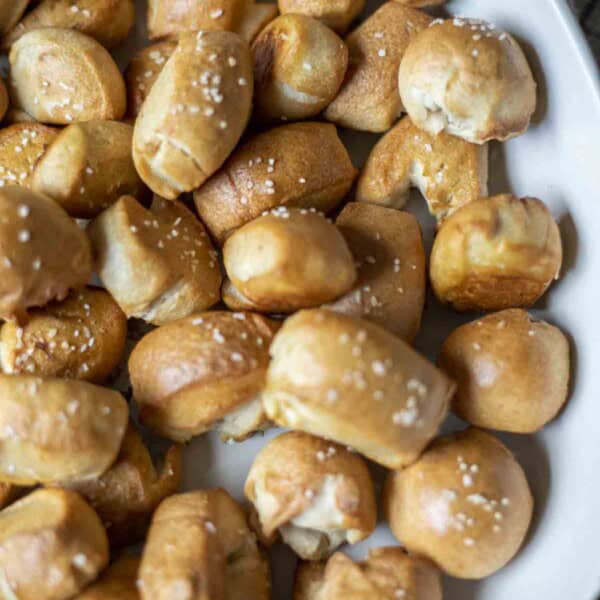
208, 190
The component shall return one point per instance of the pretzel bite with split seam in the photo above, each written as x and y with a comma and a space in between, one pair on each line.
315, 493
204, 372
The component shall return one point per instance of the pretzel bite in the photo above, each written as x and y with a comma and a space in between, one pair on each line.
512, 372
107, 21
302, 165
82, 337
257, 16
448, 171
316, 494
468, 78
21, 147
234, 299
157, 263
10, 13
118, 582
126, 495
194, 116
57, 430
52, 545
3, 99
61, 76
465, 504
388, 250
299, 65
43, 253
495, 253
142, 71
88, 167
199, 546
203, 372
168, 18
337, 14
368, 99
289, 259
350, 381
386, 574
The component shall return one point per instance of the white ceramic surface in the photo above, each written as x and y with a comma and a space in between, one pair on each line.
558, 160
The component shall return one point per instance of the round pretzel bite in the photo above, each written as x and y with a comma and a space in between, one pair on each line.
21, 147
195, 114
158, 263
512, 372
299, 65
118, 582
496, 253
289, 259
61, 76
199, 546
56, 430
387, 573
10, 13
315, 493
337, 14
142, 71
388, 250
88, 167
448, 171
468, 78
107, 21
127, 494
43, 253
302, 165
204, 372
465, 504
352, 382
170, 18
64, 539
368, 99
82, 337
257, 16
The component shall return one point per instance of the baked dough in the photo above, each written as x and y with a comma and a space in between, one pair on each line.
352, 382
447, 170
368, 99
386, 574
82, 337
465, 504
10, 13
337, 14
62, 76
315, 493
289, 259
206, 371
188, 125
56, 430
127, 494
118, 582
387, 246
88, 167
512, 372
469, 78
107, 21
302, 165
21, 147
34, 268
66, 539
157, 263
496, 253
142, 71
199, 546
299, 66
